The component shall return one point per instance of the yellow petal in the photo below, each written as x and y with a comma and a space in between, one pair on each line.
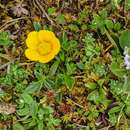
32, 40
32, 54
45, 35
44, 48
46, 58
56, 46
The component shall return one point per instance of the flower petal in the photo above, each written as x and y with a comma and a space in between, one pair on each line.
32, 54
32, 40
45, 35
46, 58
56, 46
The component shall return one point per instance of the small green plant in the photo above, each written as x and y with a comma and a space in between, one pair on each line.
51, 11
91, 47
60, 19
37, 115
5, 39
127, 5
37, 26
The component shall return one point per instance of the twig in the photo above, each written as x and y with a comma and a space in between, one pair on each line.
8, 63
80, 126
110, 46
110, 38
11, 22
76, 104
25, 63
38, 6
79, 76
124, 18
5, 65
105, 128
5, 56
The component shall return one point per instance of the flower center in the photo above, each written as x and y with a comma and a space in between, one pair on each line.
128, 59
44, 48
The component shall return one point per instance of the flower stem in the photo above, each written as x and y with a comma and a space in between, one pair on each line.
114, 44
110, 38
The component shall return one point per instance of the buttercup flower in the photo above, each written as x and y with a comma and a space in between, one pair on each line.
43, 46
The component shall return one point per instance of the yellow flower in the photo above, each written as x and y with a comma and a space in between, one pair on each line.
43, 46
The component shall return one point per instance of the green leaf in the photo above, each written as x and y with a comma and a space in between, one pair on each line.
114, 110
34, 109
60, 19
62, 56
5, 39
100, 69
37, 26
127, 5
34, 87
69, 81
94, 96
59, 97
24, 111
117, 26
27, 98
84, 27
103, 13
67, 45
117, 70
51, 10
40, 70
48, 84
83, 14
98, 23
40, 125
126, 85
32, 123
47, 110
91, 85
18, 126
71, 67
127, 128
89, 39
124, 39
73, 27
41, 113
72, 44
127, 110
113, 118
109, 24
53, 68
116, 87
64, 42
100, 82
56, 122
80, 65
92, 113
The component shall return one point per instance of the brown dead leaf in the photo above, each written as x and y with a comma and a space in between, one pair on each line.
7, 109
20, 9
65, 108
